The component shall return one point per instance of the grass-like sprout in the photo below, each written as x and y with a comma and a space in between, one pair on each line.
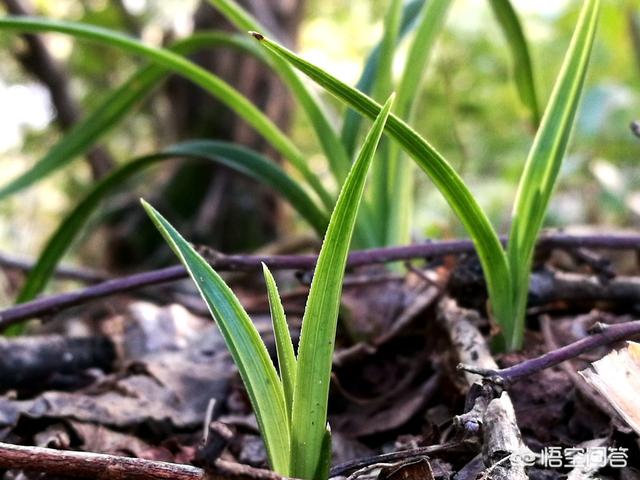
291, 407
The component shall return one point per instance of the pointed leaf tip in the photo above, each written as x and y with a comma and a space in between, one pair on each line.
243, 342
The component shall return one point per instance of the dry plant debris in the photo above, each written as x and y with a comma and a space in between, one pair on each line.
617, 377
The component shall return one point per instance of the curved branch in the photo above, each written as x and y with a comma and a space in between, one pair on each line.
112, 467
252, 263
604, 335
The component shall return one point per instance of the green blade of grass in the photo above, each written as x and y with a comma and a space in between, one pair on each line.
400, 175
384, 79
378, 205
333, 148
453, 189
238, 158
545, 158
243, 341
315, 351
634, 30
429, 25
284, 345
352, 119
170, 60
324, 465
522, 65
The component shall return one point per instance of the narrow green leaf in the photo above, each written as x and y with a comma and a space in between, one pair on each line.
352, 119
238, 158
115, 106
455, 192
243, 341
430, 23
315, 351
400, 175
522, 65
634, 31
333, 148
211, 83
284, 345
544, 160
324, 466
339, 161
378, 205
384, 72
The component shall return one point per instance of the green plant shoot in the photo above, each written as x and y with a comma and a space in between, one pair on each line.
506, 272
291, 408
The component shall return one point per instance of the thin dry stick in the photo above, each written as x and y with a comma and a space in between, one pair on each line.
603, 335
55, 303
578, 382
64, 272
549, 286
501, 435
111, 467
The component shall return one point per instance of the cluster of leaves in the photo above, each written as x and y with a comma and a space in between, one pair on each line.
385, 219
304, 381
292, 408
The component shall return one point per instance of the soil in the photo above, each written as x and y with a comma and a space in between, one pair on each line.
149, 378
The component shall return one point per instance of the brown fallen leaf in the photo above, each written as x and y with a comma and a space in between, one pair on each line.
173, 364
617, 377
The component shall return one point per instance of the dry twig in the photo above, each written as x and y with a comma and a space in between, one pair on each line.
495, 416
62, 272
112, 467
399, 456
602, 335
55, 303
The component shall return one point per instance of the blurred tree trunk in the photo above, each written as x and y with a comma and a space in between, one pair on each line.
212, 204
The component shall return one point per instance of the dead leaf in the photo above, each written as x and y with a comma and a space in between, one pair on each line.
617, 377
176, 364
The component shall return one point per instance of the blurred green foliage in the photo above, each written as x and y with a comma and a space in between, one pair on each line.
470, 110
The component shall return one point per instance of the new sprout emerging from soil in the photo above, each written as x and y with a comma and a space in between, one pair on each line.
291, 408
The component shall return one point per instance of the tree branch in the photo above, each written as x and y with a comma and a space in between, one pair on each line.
63, 272
604, 335
112, 467
251, 263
